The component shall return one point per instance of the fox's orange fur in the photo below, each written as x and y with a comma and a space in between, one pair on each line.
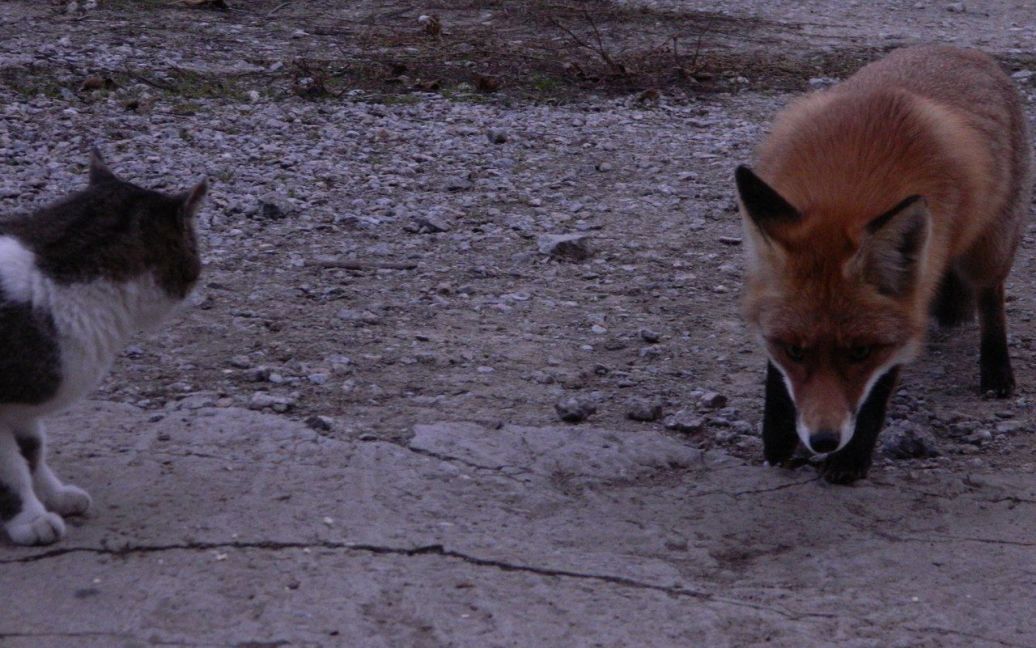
939, 123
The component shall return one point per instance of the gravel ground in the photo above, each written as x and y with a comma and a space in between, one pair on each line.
381, 263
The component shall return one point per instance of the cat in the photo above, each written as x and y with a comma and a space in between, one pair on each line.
77, 279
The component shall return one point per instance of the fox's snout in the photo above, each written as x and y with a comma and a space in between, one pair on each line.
823, 441
824, 431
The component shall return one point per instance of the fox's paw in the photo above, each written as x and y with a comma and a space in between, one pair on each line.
69, 500
997, 383
35, 528
842, 472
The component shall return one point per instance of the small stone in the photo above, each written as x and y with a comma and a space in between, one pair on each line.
956, 7
978, 437
750, 443
272, 208
496, 136
240, 362
263, 400
458, 183
320, 423
650, 336
597, 329
742, 427
730, 240
604, 167
713, 400
962, 428
318, 378
567, 247
685, 421
574, 410
649, 352
363, 317
1010, 427
642, 409
258, 374
819, 83
430, 223
905, 440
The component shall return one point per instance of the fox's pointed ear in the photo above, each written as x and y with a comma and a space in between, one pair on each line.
893, 247
99, 171
768, 209
192, 199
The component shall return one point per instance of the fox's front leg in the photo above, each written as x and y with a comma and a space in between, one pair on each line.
779, 436
854, 460
994, 361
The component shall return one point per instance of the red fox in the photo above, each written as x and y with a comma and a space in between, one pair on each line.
896, 195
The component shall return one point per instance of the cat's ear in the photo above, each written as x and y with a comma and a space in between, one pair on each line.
191, 200
99, 171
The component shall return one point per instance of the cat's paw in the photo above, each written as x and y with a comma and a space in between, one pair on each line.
69, 500
35, 528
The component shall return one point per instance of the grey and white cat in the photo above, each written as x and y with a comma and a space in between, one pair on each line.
77, 279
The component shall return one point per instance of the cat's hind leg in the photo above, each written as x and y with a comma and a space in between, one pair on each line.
64, 499
24, 518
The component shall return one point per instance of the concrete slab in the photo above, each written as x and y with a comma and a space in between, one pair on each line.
233, 527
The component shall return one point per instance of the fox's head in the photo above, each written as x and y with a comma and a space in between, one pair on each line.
832, 296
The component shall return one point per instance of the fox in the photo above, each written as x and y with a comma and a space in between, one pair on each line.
894, 197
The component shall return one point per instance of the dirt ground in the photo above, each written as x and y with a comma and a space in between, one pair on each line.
350, 438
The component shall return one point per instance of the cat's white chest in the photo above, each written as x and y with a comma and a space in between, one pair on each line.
93, 320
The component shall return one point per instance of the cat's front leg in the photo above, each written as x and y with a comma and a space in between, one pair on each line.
24, 518
64, 499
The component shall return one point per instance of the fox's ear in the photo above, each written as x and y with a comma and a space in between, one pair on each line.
191, 200
99, 171
893, 246
767, 209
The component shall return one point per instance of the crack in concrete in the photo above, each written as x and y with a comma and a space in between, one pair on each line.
965, 635
424, 550
441, 551
87, 634
754, 491
945, 539
501, 468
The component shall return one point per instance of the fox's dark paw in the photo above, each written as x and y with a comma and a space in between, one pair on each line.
835, 471
791, 463
782, 459
997, 384
779, 446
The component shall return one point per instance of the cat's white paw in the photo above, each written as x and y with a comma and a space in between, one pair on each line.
35, 528
69, 500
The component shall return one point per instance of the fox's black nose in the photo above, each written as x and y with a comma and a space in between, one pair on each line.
823, 441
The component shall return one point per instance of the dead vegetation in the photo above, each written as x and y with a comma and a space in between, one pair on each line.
477, 50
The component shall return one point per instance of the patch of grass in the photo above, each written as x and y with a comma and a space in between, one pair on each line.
31, 81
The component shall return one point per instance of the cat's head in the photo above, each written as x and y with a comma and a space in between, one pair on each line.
158, 230
115, 231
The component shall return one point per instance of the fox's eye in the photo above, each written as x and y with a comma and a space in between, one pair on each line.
859, 353
795, 353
